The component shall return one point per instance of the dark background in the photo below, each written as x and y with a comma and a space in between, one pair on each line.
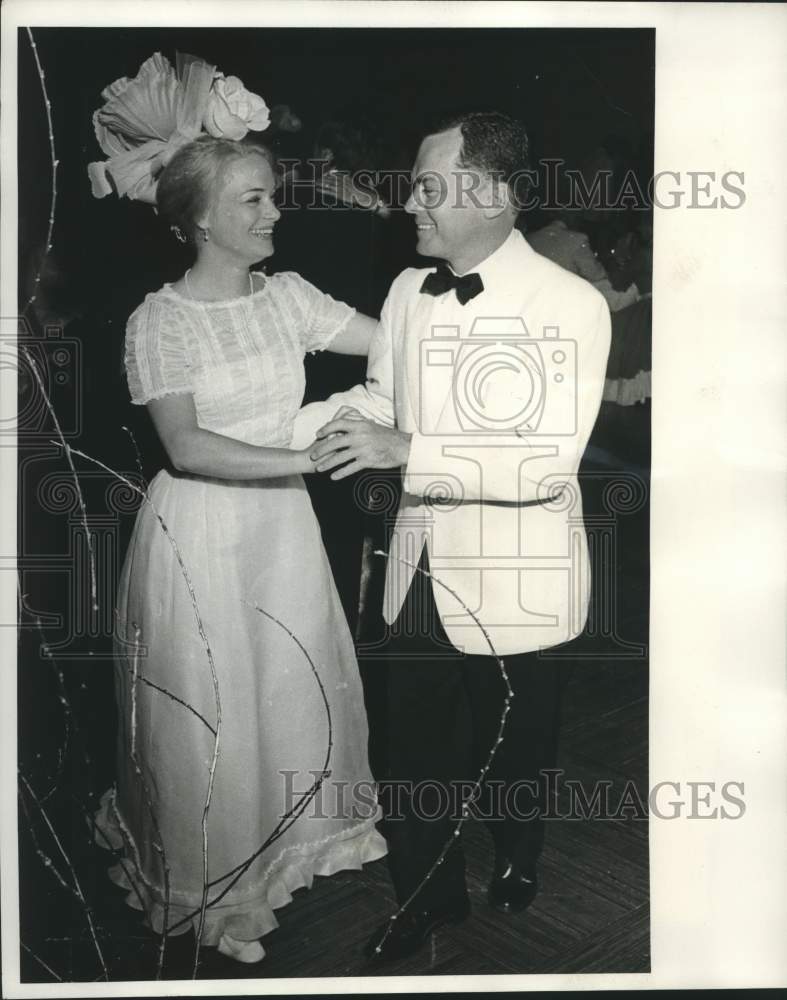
576, 90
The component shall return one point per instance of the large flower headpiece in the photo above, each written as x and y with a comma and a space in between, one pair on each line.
145, 121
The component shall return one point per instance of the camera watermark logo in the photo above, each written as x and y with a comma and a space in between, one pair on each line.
502, 379
83, 623
494, 495
58, 361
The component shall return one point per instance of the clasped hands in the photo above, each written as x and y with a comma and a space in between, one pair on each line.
360, 443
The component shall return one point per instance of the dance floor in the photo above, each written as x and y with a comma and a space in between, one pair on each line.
591, 915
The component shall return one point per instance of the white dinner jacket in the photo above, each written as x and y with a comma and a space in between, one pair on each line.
500, 396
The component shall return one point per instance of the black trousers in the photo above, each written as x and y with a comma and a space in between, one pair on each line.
445, 710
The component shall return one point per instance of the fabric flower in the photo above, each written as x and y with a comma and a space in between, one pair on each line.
232, 110
138, 110
146, 120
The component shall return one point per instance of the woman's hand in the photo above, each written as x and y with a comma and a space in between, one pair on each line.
310, 464
196, 450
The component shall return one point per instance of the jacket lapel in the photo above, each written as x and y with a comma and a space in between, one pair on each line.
431, 351
427, 364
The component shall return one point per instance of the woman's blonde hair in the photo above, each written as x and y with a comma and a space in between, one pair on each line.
187, 183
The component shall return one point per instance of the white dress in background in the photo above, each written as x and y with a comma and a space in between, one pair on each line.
242, 543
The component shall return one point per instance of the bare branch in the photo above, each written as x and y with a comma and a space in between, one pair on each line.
137, 454
158, 842
77, 888
214, 680
292, 815
64, 444
54, 164
41, 962
477, 786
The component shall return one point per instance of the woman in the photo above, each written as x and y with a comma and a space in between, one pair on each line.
217, 357
571, 250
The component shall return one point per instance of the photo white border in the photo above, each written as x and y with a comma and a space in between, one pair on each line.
718, 694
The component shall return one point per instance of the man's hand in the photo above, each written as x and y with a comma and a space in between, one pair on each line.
361, 443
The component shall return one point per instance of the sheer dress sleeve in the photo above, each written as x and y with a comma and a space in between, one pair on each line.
317, 315
157, 362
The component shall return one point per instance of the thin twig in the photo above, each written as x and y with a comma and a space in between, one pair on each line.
40, 961
288, 818
235, 874
165, 691
615, 107
64, 444
240, 870
77, 888
157, 687
43, 857
158, 842
68, 715
214, 679
96, 829
136, 453
54, 162
484, 770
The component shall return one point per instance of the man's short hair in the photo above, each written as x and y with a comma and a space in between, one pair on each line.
495, 144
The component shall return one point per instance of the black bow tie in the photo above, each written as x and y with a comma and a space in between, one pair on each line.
444, 279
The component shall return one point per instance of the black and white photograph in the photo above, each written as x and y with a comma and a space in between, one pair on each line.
369, 408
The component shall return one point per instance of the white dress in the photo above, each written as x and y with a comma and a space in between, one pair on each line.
242, 544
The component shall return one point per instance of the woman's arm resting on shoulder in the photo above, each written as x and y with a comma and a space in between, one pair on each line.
355, 337
193, 449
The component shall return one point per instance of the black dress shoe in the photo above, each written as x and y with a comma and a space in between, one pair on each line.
510, 891
410, 931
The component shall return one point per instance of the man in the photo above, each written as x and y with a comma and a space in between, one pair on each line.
484, 381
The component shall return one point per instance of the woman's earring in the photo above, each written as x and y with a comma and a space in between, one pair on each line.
179, 234
205, 235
